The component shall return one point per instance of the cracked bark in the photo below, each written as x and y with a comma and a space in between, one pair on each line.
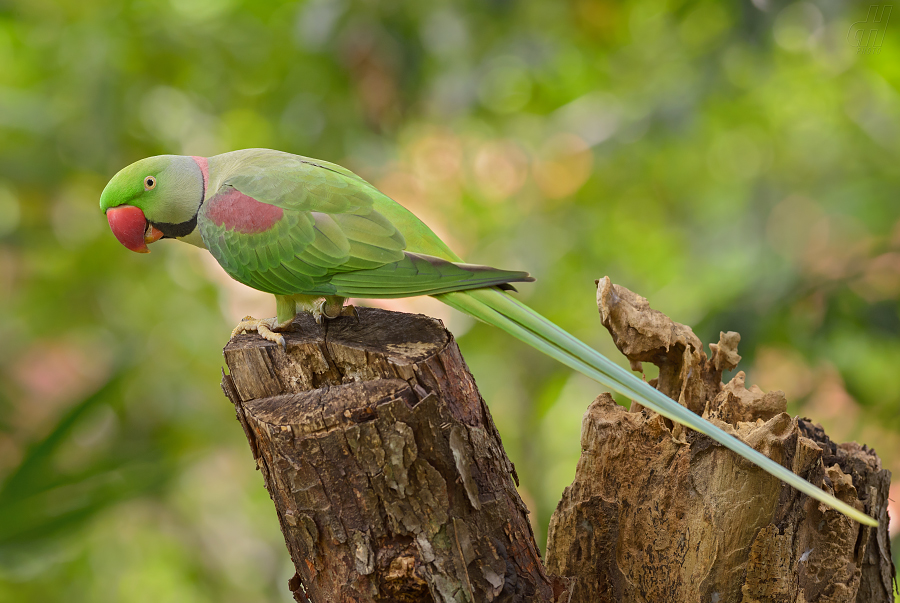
387, 473
660, 513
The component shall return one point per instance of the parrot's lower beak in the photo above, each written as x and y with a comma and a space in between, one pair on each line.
132, 229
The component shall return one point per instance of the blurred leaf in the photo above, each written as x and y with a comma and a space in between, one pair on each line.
37, 501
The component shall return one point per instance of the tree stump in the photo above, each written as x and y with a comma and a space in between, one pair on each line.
660, 513
390, 482
386, 470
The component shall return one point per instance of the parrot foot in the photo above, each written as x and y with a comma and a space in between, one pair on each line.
266, 328
331, 310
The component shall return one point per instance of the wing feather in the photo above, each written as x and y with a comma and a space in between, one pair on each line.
330, 240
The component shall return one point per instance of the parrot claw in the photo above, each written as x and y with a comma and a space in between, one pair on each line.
350, 311
244, 326
265, 331
266, 328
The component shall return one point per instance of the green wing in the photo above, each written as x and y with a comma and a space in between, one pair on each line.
286, 224
417, 274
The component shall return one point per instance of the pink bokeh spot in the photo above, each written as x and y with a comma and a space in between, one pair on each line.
50, 375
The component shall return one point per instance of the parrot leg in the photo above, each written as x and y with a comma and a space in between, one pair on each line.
266, 328
329, 307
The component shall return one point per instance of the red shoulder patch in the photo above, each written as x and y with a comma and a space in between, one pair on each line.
236, 211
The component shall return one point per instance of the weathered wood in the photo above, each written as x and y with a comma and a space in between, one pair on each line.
660, 513
386, 470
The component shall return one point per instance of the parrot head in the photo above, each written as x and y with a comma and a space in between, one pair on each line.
152, 199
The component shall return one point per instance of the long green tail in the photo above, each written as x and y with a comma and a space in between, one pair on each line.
501, 310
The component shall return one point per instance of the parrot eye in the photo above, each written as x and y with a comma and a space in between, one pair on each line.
149, 183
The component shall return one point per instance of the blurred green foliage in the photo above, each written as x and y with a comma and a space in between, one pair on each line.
736, 163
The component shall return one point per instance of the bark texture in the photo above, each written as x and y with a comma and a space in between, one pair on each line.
386, 470
660, 513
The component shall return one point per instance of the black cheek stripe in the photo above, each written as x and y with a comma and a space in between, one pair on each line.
182, 229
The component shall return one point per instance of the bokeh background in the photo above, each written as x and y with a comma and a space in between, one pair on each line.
734, 162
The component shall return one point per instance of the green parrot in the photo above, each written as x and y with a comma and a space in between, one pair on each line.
314, 233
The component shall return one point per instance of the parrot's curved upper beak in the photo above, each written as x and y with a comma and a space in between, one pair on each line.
130, 226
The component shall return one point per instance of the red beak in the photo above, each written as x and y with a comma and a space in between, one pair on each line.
130, 226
